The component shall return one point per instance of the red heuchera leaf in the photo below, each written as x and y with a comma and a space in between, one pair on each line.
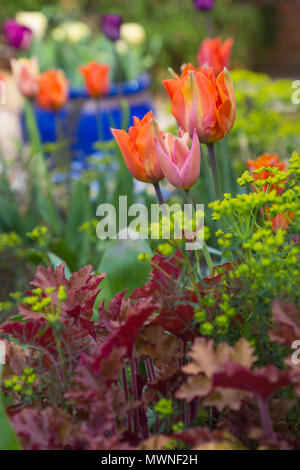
177, 319
125, 335
261, 382
287, 316
113, 313
35, 333
40, 429
39, 335
176, 314
81, 291
100, 402
163, 278
177, 311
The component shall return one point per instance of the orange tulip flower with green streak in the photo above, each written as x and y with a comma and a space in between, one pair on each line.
203, 102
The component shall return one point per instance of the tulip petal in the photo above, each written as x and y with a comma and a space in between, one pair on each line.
130, 154
180, 151
169, 168
171, 85
226, 112
225, 51
147, 151
190, 171
207, 94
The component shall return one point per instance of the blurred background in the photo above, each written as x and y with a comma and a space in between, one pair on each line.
267, 30
56, 167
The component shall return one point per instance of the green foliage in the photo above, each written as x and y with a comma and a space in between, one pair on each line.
123, 268
267, 121
8, 439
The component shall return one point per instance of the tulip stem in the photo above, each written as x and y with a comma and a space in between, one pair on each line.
214, 169
208, 24
98, 118
158, 193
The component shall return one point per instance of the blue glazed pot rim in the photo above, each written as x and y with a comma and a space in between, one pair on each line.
125, 88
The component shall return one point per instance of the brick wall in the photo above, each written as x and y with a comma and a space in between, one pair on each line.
282, 56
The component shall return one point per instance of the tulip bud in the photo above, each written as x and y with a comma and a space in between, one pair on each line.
26, 72
96, 78
133, 33
35, 20
17, 35
179, 163
204, 5
110, 26
53, 90
215, 54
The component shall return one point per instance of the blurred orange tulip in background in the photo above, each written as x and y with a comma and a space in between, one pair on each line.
53, 90
96, 76
215, 54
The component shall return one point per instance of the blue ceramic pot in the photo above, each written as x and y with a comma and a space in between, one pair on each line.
81, 119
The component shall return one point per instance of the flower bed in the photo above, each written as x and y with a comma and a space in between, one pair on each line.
150, 318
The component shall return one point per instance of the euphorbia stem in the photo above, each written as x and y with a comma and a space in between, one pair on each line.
158, 193
265, 416
207, 256
214, 169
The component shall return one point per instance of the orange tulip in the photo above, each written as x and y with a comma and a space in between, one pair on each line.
202, 102
139, 150
215, 54
266, 160
96, 78
53, 90
280, 220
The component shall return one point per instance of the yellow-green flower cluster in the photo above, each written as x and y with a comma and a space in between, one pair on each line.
39, 235
178, 427
164, 407
271, 261
9, 240
41, 301
243, 204
172, 225
89, 228
22, 384
5, 306
276, 178
143, 257
165, 249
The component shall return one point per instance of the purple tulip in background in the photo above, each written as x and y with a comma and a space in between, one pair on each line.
110, 26
17, 36
204, 5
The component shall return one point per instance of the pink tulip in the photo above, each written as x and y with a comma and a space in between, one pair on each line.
179, 163
26, 72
